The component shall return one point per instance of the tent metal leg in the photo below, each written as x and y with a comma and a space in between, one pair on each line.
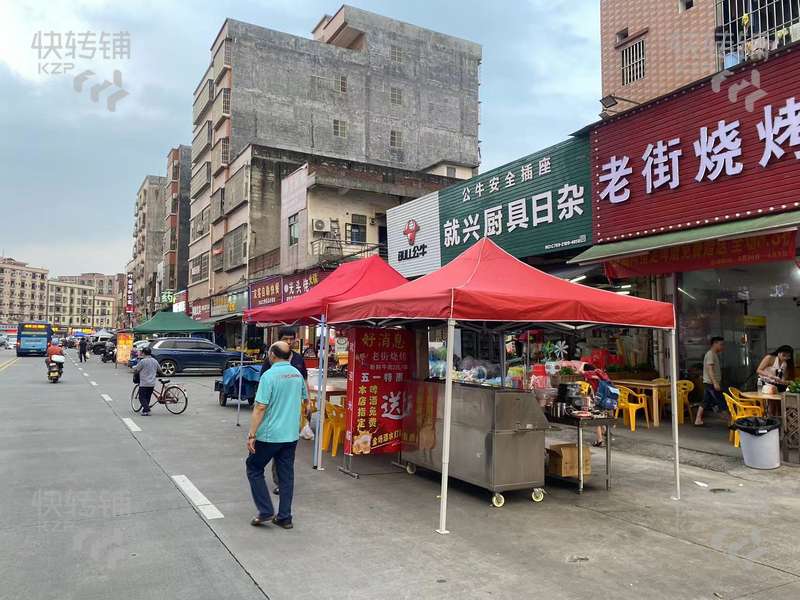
322, 384
673, 351
448, 415
241, 376
347, 467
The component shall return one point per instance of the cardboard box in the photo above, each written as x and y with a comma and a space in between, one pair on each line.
563, 460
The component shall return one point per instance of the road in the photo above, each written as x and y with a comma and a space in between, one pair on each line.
91, 507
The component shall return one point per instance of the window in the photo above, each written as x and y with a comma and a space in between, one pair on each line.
198, 268
622, 35
396, 139
685, 4
294, 230
343, 84
339, 128
235, 247
397, 96
356, 230
451, 171
633, 62
396, 54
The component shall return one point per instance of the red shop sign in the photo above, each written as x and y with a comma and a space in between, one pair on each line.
712, 254
380, 368
266, 292
201, 309
297, 285
725, 149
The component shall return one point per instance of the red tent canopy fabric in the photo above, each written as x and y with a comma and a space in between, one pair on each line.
350, 280
485, 283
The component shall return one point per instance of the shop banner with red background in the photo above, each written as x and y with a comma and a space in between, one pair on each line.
380, 367
419, 420
201, 309
299, 284
712, 254
266, 292
722, 150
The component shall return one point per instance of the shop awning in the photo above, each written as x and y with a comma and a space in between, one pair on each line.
485, 283
220, 318
604, 252
350, 280
172, 322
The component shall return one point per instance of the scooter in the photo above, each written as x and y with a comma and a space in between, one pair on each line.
55, 368
109, 355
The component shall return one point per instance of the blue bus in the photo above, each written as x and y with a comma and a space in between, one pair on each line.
33, 338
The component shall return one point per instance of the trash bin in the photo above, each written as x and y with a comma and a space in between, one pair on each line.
760, 441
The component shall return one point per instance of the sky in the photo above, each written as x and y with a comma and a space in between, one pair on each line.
70, 168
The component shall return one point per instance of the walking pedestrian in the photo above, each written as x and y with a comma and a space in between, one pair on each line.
274, 431
82, 350
288, 335
148, 370
712, 381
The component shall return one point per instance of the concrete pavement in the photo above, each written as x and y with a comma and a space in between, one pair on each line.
125, 530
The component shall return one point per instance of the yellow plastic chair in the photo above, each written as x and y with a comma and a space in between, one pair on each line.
663, 398
629, 403
739, 410
737, 395
685, 387
585, 387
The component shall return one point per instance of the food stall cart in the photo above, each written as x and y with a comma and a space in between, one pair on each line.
486, 285
350, 280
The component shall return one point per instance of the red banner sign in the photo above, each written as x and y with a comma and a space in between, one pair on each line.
380, 368
201, 309
266, 292
723, 150
713, 254
419, 421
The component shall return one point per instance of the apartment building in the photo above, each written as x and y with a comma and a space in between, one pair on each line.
176, 220
652, 47
104, 285
104, 311
71, 304
148, 251
23, 291
391, 100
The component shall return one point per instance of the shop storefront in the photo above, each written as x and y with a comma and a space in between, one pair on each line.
226, 314
696, 199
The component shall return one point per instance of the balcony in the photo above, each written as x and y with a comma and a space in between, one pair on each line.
200, 180
217, 205
330, 249
220, 155
221, 108
205, 97
201, 141
222, 60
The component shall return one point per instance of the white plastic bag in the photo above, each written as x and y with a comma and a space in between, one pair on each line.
306, 433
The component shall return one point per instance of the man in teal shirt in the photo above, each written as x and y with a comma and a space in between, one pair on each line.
274, 431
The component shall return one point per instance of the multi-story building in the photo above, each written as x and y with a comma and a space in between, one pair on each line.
652, 47
104, 285
397, 102
148, 234
176, 220
104, 310
71, 304
23, 291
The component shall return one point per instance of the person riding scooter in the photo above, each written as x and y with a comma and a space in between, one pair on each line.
55, 350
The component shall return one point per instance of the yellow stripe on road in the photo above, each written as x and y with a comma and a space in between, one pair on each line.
8, 363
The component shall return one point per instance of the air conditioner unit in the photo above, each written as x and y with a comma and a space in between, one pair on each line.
321, 226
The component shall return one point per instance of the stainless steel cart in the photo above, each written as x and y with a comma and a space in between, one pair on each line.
497, 439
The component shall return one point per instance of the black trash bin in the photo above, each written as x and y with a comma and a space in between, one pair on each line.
760, 441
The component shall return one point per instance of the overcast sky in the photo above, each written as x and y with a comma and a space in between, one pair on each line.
70, 169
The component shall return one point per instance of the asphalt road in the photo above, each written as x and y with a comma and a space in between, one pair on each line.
94, 503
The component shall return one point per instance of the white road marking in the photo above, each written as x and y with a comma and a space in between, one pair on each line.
85, 374
197, 498
80, 368
94, 383
131, 425
106, 397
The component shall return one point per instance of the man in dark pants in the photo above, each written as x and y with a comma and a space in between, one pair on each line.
288, 335
274, 431
712, 381
82, 350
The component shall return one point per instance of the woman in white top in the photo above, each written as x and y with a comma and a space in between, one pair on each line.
777, 368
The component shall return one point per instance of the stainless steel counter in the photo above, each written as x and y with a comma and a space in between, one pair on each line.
497, 436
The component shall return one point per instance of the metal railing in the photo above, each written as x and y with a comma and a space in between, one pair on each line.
749, 29
222, 106
201, 179
222, 59
202, 141
326, 249
203, 100
220, 155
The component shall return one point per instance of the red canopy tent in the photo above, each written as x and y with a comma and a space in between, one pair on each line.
351, 280
485, 283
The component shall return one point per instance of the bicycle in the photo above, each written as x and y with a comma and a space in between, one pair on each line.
173, 397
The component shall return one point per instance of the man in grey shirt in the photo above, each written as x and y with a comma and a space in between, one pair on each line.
148, 370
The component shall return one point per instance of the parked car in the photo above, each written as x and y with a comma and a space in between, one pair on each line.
4, 341
98, 343
185, 354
